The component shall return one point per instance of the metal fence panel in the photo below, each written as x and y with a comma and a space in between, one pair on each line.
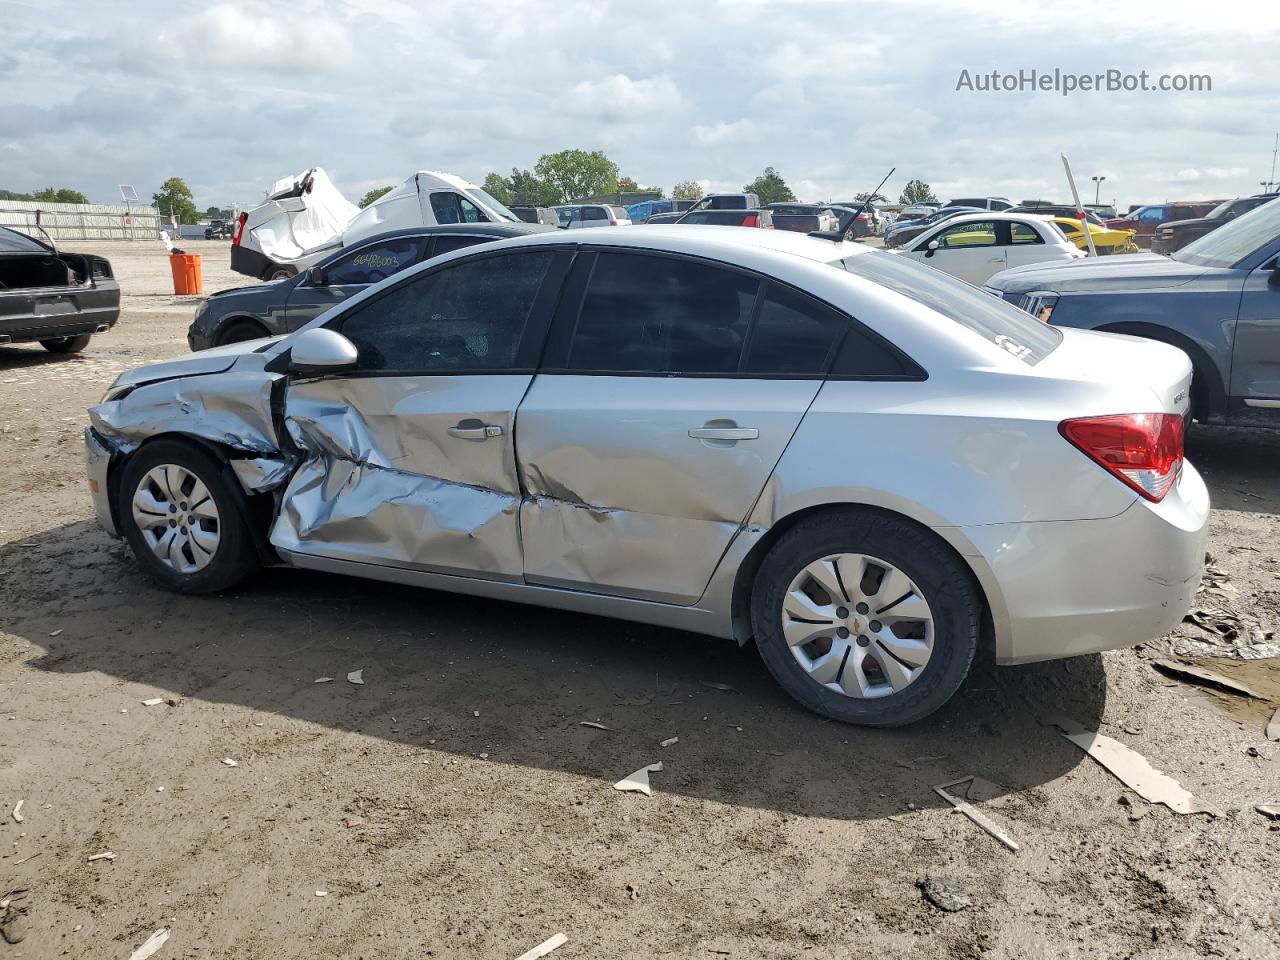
83, 221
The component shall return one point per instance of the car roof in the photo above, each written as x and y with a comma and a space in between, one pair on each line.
987, 215
702, 238
497, 230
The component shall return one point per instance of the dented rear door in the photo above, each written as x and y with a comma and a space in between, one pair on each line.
409, 459
670, 389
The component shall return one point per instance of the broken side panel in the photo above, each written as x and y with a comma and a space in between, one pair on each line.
410, 471
636, 485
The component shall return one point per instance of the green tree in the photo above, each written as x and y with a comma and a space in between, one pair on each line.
499, 187
686, 190
373, 195
575, 174
627, 185
529, 190
865, 197
175, 199
917, 191
770, 188
217, 213
47, 195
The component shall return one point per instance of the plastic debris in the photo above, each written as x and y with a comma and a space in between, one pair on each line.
352, 822
1273, 726
230, 763
973, 813
322, 893
943, 893
323, 680
592, 725
104, 855
719, 686
542, 949
1204, 677
356, 677
1132, 769
54, 633
1271, 810
17, 812
153, 702
638, 782
149, 946
669, 742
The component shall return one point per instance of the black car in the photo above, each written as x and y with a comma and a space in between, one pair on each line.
1176, 234
56, 298
278, 307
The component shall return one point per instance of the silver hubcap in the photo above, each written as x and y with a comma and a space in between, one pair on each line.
178, 518
857, 625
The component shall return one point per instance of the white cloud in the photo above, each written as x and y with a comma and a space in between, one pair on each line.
226, 36
725, 132
618, 97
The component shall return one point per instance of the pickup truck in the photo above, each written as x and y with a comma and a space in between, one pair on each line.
1145, 220
802, 217
1218, 299
1176, 234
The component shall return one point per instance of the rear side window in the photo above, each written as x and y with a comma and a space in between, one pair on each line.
468, 317
991, 318
649, 314
454, 208
448, 244
1022, 233
594, 213
373, 262
793, 334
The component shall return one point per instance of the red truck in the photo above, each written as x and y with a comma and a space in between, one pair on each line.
1145, 219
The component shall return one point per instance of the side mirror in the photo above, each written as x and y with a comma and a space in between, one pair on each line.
315, 277
319, 349
1273, 279
932, 248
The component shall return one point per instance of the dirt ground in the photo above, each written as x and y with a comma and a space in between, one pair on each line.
454, 806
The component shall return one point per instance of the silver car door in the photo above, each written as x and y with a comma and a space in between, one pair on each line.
670, 389
408, 458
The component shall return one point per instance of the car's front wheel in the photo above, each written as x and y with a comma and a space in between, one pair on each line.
184, 519
866, 618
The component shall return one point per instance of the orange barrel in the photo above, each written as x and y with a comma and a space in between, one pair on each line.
186, 273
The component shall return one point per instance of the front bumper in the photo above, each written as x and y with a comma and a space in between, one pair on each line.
98, 464
1065, 588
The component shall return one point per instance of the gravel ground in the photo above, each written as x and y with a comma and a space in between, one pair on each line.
453, 805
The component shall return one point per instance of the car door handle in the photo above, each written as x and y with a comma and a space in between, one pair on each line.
724, 433
482, 431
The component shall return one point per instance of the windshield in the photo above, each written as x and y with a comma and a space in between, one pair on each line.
1220, 210
991, 318
493, 204
11, 241
1235, 240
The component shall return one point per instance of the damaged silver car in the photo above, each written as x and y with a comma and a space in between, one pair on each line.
870, 469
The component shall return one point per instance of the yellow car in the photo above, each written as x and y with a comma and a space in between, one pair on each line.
1104, 240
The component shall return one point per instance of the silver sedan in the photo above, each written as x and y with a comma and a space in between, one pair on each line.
866, 467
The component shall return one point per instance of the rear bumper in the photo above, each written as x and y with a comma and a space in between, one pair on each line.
98, 464
50, 314
252, 263
1065, 588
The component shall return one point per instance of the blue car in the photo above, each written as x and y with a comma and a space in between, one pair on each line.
900, 233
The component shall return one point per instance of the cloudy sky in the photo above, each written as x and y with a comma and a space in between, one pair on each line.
232, 96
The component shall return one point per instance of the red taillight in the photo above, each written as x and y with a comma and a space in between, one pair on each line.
751, 220
613, 223
862, 217
235, 241
1142, 450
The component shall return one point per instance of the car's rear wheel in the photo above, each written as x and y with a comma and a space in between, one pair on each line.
280, 273
184, 519
67, 344
239, 331
866, 618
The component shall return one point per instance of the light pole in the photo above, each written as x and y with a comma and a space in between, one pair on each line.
1097, 186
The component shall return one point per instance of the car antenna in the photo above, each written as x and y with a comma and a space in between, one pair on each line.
837, 235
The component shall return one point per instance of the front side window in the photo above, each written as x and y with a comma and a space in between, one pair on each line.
652, 314
373, 262
455, 208
465, 317
1151, 214
964, 235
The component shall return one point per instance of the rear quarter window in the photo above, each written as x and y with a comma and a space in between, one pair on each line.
991, 318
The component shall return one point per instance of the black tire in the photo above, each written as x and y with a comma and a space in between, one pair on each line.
280, 273
238, 331
67, 344
948, 586
235, 557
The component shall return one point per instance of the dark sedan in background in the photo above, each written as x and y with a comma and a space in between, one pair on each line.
1218, 299
281, 306
1176, 234
55, 298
